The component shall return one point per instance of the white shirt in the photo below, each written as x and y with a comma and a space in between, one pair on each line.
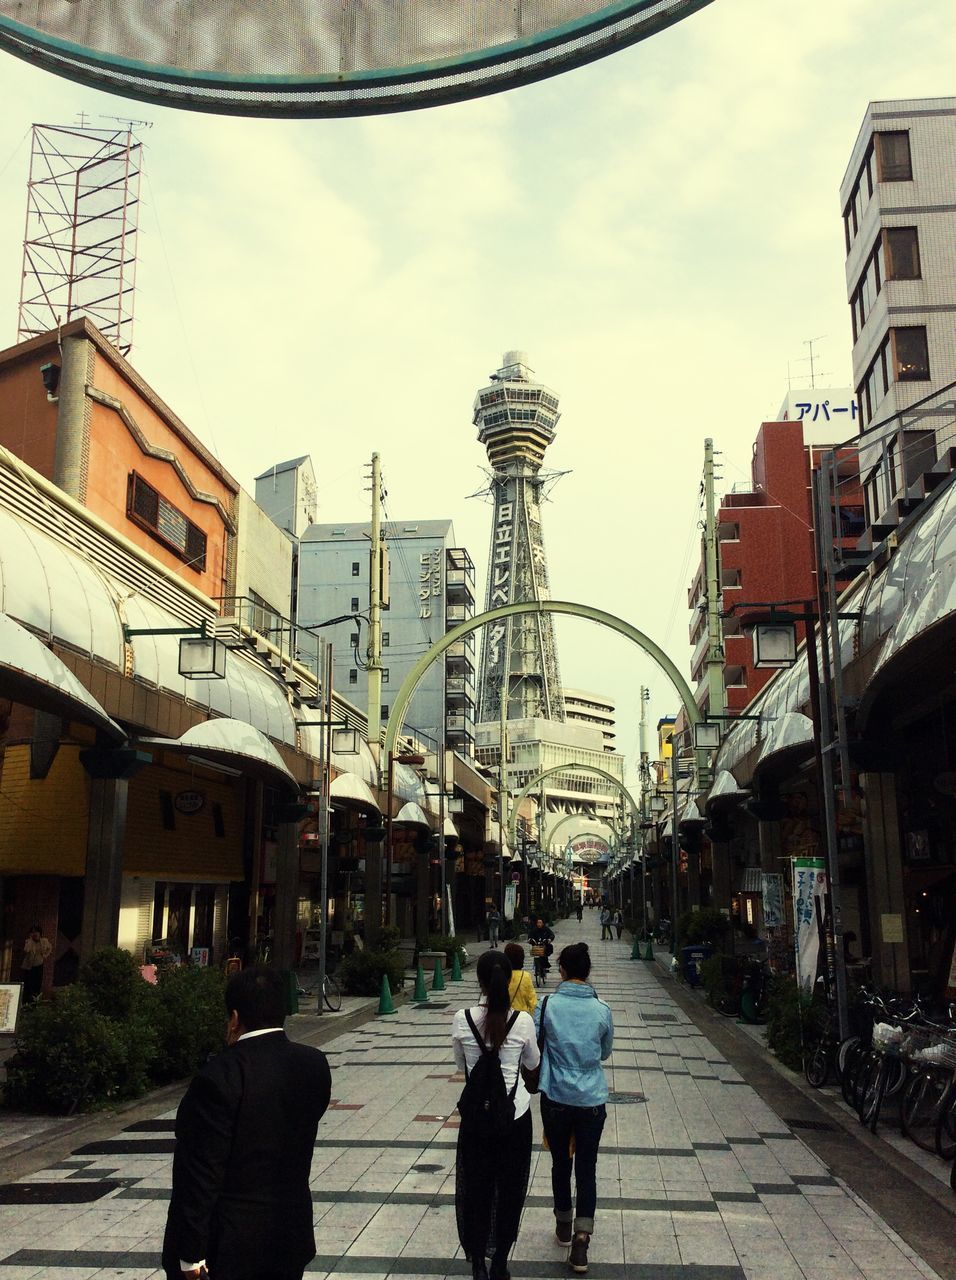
520, 1048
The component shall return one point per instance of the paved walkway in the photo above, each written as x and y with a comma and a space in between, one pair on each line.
698, 1178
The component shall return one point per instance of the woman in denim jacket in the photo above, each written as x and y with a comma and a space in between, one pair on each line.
578, 1036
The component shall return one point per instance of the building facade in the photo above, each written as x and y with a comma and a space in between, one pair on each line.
431, 589
899, 224
591, 708
765, 549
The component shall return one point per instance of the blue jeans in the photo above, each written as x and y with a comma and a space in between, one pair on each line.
585, 1125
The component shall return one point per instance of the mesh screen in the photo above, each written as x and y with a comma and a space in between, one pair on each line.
321, 57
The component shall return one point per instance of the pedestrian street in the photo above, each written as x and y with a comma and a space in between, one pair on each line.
698, 1179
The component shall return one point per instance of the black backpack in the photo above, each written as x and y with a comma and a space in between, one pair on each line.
484, 1101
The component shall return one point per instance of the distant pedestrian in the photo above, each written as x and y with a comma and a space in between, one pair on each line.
36, 952
494, 925
576, 1032
579, 911
492, 1046
520, 988
619, 922
245, 1134
605, 924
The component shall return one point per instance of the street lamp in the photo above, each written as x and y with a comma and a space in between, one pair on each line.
707, 735
775, 644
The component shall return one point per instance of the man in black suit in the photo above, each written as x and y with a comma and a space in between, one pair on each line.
245, 1132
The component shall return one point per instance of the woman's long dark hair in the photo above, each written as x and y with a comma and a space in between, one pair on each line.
494, 974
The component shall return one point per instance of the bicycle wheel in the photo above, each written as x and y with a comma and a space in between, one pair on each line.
847, 1046
896, 1074
873, 1098
728, 1004
866, 1072
919, 1109
332, 994
816, 1066
854, 1064
752, 1008
946, 1125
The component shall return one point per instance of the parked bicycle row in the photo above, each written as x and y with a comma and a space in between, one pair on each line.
898, 1067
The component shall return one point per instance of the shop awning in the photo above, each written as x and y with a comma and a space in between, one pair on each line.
407, 784
791, 733
450, 830
232, 744
351, 791
413, 815
691, 816
751, 880
34, 676
725, 792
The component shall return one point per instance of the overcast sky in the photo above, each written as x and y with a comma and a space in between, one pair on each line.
660, 231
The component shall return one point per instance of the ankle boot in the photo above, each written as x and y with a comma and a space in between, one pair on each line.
578, 1257
499, 1267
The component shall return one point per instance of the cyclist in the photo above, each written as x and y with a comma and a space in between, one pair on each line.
541, 936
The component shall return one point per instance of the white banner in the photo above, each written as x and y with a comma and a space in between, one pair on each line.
510, 892
809, 918
772, 893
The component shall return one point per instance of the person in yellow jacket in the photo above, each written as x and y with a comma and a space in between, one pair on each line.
521, 988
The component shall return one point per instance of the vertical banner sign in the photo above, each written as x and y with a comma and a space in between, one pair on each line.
510, 891
809, 912
772, 893
451, 911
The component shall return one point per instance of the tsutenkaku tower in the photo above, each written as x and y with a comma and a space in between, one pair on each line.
516, 418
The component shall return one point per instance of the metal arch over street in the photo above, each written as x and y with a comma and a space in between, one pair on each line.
563, 821
306, 58
400, 706
566, 768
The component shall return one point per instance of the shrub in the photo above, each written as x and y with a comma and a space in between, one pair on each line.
68, 1057
448, 944
712, 979
117, 991
707, 925
390, 937
360, 974
190, 1017
793, 1019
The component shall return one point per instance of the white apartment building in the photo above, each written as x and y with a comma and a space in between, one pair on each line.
899, 214
592, 708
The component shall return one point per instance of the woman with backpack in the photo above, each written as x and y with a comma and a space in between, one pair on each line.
576, 1032
492, 1043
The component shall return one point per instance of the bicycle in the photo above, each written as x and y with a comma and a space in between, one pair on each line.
929, 1095
331, 993
540, 955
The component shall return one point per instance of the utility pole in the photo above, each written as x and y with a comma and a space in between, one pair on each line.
716, 694
645, 778
375, 603
504, 814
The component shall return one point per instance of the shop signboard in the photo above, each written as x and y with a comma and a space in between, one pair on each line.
809, 917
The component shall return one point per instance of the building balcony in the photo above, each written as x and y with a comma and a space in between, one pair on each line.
460, 724
455, 613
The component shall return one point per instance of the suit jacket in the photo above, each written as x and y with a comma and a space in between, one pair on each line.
245, 1133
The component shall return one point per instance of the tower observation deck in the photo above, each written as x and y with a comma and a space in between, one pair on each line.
516, 418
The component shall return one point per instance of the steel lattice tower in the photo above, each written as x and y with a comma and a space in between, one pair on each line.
79, 249
516, 419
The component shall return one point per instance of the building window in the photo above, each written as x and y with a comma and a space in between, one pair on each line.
385, 675
354, 608
354, 639
353, 676
146, 507
893, 163
859, 199
385, 639
355, 568
911, 358
902, 253
875, 382
383, 710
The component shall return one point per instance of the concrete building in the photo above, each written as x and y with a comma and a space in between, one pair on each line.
591, 708
765, 548
899, 223
431, 588
287, 494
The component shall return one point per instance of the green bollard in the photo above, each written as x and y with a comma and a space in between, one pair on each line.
420, 994
636, 949
438, 978
456, 967
649, 953
385, 1003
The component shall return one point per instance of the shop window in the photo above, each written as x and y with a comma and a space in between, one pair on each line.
146, 507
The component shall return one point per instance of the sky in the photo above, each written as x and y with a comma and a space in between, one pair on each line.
660, 231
